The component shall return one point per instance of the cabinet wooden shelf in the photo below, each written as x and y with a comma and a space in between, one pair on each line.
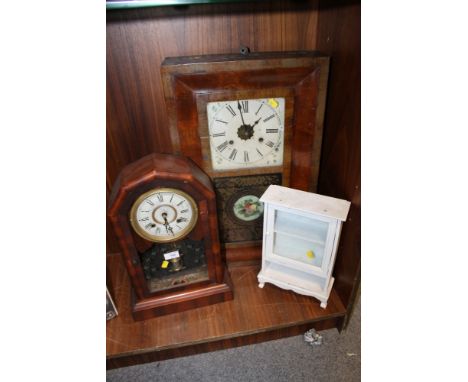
301, 227
308, 239
297, 247
253, 316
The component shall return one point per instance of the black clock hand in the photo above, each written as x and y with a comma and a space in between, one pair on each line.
166, 224
257, 121
168, 227
240, 110
250, 128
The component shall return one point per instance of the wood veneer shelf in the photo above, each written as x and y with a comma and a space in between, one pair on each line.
255, 315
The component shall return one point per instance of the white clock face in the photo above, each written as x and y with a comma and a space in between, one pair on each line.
246, 133
163, 215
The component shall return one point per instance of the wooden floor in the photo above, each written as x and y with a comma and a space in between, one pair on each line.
255, 315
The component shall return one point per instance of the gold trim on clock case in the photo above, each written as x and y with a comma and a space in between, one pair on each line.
157, 239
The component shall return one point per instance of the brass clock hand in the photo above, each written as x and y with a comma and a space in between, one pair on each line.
240, 111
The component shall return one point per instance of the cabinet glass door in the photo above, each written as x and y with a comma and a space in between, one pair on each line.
300, 238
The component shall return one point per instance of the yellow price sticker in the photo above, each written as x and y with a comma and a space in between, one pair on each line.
164, 264
273, 103
310, 254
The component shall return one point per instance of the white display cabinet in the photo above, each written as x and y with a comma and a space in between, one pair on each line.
301, 231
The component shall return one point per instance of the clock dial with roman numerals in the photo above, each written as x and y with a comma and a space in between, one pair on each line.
164, 215
246, 133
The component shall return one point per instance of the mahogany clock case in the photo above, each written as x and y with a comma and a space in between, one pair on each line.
297, 79
168, 171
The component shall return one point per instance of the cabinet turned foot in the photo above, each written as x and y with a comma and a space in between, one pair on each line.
323, 305
261, 285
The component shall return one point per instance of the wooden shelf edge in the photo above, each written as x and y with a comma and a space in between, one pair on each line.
154, 355
227, 337
158, 350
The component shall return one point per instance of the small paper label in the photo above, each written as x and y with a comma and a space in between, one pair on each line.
273, 103
310, 254
164, 264
171, 255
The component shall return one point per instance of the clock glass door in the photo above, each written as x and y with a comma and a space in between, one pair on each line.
171, 265
166, 216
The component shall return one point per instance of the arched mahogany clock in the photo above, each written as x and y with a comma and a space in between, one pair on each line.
163, 211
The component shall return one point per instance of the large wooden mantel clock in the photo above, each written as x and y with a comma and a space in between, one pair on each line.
163, 211
248, 121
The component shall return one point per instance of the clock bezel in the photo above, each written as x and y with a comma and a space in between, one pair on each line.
179, 235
